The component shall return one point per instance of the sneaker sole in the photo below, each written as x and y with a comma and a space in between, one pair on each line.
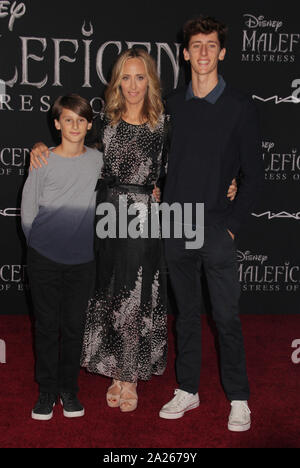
236, 428
72, 414
42, 417
179, 414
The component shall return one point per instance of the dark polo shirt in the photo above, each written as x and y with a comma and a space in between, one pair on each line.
214, 139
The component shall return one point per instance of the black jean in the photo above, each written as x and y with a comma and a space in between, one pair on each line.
60, 296
217, 256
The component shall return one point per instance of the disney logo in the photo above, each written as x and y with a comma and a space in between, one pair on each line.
247, 256
260, 22
268, 145
14, 11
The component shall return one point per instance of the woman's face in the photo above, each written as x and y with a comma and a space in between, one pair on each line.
134, 81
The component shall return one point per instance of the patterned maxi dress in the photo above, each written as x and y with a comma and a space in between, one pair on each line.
126, 326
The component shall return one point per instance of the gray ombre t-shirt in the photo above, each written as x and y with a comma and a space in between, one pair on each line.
58, 207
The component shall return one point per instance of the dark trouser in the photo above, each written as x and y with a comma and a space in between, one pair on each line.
218, 259
60, 295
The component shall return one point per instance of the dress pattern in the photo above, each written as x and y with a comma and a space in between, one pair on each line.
126, 326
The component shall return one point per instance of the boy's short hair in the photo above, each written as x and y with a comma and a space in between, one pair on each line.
75, 103
204, 25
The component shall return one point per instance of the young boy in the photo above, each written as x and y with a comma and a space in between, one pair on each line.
57, 212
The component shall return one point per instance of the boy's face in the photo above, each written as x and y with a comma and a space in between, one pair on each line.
204, 52
73, 127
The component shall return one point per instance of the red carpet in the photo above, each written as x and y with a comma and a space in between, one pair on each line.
274, 380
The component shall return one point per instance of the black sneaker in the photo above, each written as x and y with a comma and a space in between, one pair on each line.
71, 405
43, 410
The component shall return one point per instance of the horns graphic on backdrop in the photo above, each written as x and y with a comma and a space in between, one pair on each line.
85, 32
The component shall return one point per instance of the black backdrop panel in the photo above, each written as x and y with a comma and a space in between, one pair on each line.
52, 48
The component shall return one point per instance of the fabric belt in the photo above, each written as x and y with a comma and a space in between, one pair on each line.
106, 183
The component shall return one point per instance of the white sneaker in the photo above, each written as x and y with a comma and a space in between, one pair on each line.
182, 402
239, 418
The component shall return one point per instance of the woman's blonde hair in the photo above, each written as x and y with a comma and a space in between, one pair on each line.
115, 102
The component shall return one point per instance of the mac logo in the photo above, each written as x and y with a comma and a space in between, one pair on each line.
10, 212
277, 99
282, 214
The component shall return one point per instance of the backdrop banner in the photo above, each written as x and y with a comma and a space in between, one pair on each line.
50, 48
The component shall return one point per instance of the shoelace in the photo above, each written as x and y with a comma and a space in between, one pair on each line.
237, 406
46, 398
68, 397
179, 397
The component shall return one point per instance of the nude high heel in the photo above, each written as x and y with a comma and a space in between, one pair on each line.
113, 399
129, 403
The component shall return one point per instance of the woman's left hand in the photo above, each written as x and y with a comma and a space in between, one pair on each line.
232, 190
156, 193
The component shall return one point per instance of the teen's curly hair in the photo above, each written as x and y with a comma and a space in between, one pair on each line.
204, 25
115, 102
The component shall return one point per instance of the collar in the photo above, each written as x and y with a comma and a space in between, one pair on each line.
211, 97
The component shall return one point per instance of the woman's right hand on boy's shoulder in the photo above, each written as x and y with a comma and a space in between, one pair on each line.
38, 155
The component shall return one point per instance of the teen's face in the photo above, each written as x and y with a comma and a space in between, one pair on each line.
73, 127
134, 81
204, 53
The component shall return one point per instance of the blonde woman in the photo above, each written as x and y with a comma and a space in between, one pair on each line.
126, 327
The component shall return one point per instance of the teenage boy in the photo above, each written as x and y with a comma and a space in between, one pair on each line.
58, 211
215, 136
